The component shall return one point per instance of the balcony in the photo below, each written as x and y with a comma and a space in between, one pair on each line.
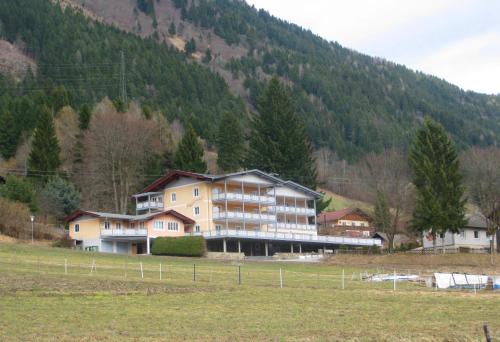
291, 237
240, 217
296, 226
124, 232
149, 205
246, 198
281, 209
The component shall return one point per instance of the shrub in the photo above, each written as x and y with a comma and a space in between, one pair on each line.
14, 218
20, 190
60, 197
189, 246
64, 242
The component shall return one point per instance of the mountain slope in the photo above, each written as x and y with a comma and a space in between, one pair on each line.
351, 102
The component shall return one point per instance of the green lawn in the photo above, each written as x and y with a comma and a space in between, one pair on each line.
38, 301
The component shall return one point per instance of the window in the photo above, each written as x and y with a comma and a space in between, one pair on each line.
118, 225
462, 234
173, 197
132, 225
197, 228
344, 223
158, 225
196, 192
476, 234
441, 235
197, 211
173, 226
141, 225
218, 227
366, 233
238, 227
107, 225
77, 228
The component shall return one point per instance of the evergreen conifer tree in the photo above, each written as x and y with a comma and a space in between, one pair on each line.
84, 116
9, 135
44, 156
278, 142
440, 203
171, 29
189, 154
229, 143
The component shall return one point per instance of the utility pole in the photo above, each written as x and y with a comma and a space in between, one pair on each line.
123, 87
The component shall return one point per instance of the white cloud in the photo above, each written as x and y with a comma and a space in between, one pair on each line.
471, 63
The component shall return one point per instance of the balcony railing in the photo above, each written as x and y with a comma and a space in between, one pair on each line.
240, 216
281, 209
296, 226
311, 238
150, 205
247, 198
124, 232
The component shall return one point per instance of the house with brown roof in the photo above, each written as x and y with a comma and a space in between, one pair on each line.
351, 222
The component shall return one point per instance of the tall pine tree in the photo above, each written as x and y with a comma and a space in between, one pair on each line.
229, 143
278, 142
9, 135
44, 156
440, 203
189, 154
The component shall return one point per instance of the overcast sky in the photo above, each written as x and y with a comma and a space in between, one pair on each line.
458, 40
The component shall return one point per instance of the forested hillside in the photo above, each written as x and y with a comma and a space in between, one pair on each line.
197, 59
79, 62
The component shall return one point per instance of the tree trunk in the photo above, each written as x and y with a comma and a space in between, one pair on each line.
434, 243
492, 249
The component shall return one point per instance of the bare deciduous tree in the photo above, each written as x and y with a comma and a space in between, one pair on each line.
118, 146
385, 177
482, 173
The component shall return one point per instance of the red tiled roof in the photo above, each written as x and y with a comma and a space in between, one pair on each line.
337, 215
77, 214
184, 219
172, 175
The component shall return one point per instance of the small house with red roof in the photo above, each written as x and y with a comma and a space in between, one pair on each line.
350, 222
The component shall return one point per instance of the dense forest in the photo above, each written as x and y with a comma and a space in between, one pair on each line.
352, 103
79, 62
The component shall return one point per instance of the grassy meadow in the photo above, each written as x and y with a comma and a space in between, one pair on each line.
42, 300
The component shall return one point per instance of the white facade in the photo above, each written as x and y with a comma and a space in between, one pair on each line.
474, 235
468, 237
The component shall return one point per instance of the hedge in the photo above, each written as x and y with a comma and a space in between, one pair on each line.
189, 246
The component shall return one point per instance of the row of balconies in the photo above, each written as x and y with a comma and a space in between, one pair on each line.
296, 226
292, 210
240, 216
232, 196
124, 232
150, 205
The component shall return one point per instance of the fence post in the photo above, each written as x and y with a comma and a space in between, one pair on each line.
394, 279
343, 279
66, 266
142, 272
194, 272
160, 271
281, 279
239, 274
92, 268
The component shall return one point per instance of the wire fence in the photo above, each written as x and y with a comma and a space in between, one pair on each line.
227, 275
